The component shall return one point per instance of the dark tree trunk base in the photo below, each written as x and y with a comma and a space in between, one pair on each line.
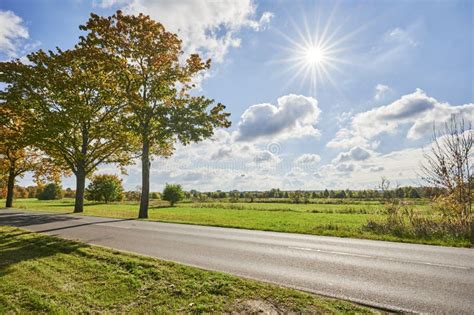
10, 188
80, 188
144, 199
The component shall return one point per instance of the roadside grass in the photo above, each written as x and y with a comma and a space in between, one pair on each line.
342, 220
45, 274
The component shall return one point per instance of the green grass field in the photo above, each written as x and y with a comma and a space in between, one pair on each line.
343, 220
45, 274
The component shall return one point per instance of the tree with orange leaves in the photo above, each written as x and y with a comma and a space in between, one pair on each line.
18, 156
156, 81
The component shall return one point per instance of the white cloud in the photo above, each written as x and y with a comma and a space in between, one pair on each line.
293, 116
355, 154
308, 158
307, 162
343, 117
12, 32
345, 167
380, 91
417, 111
402, 36
208, 27
394, 47
346, 138
376, 169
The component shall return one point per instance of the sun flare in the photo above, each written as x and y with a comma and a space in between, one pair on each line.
314, 55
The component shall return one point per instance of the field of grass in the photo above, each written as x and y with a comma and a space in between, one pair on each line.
340, 219
45, 274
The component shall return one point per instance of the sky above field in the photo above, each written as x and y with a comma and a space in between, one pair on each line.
322, 94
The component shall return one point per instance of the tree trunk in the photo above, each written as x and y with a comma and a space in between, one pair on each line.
143, 213
10, 187
80, 187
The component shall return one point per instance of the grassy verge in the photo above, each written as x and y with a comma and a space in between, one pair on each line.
316, 219
45, 274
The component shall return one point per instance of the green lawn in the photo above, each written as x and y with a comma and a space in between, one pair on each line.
344, 220
45, 274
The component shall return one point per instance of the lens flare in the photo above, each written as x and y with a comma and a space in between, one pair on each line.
313, 54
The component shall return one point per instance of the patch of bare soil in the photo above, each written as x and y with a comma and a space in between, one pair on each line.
258, 307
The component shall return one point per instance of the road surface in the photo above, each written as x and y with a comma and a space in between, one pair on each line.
396, 276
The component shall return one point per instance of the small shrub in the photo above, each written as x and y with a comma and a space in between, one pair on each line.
132, 195
106, 188
173, 193
51, 191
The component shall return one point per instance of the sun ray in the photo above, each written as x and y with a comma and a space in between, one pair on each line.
315, 51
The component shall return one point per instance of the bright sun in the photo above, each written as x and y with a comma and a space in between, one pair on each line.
314, 56
314, 53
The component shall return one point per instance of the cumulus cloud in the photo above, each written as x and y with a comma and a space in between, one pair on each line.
417, 111
12, 32
308, 158
224, 152
208, 27
266, 156
354, 154
293, 116
345, 167
346, 138
387, 118
343, 117
376, 169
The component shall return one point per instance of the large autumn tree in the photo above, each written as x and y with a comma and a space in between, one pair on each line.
17, 155
75, 106
156, 79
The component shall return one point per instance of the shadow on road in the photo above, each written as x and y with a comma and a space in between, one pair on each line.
82, 224
19, 219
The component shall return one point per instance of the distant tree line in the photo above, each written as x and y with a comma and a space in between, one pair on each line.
109, 188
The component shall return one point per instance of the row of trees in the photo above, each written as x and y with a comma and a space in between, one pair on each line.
400, 192
123, 92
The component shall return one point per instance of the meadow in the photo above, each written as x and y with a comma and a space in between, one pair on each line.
45, 274
342, 218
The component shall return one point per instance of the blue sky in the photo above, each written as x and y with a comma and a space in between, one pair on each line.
385, 72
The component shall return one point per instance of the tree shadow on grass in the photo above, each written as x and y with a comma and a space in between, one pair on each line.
161, 207
17, 245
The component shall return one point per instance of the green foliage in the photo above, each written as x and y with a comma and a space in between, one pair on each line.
74, 107
446, 221
173, 193
105, 188
51, 191
132, 195
299, 197
156, 83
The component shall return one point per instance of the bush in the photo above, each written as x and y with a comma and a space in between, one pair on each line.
105, 188
132, 195
173, 193
444, 223
51, 191
69, 193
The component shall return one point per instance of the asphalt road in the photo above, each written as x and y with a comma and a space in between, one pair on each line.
397, 276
